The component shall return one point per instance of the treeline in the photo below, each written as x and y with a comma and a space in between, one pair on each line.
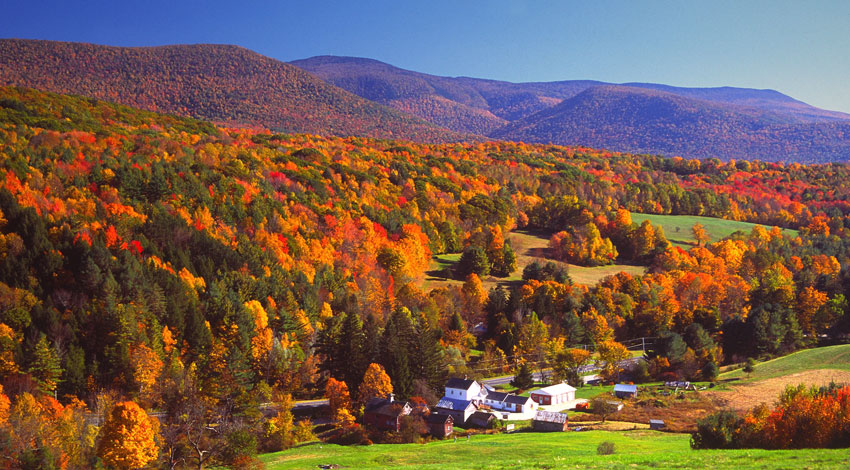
140, 251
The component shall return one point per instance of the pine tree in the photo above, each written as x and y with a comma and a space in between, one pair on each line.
523, 379
45, 368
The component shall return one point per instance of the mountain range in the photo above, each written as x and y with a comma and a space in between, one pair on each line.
722, 122
363, 97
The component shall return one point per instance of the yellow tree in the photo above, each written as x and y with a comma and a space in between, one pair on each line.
127, 438
339, 401
809, 301
376, 383
700, 234
4, 408
612, 354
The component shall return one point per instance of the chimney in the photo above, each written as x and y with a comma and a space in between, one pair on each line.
391, 397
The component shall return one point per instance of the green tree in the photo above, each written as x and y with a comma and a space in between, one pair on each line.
473, 261
523, 379
45, 367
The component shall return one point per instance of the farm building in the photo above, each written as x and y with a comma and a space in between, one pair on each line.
509, 402
440, 425
459, 410
385, 413
463, 389
554, 394
549, 421
625, 391
657, 424
480, 419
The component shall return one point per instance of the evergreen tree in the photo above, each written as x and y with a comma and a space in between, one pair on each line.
523, 379
45, 367
473, 261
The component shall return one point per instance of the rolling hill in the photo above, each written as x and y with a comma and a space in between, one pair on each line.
723, 122
650, 121
225, 84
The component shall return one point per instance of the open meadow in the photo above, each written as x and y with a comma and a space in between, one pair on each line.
525, 450
677, 228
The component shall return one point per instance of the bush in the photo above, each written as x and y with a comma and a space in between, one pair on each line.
716, 431
606, 448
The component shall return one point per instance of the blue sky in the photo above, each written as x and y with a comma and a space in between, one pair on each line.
801, 48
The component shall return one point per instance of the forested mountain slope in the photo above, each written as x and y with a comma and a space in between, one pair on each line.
200, 270
225, 84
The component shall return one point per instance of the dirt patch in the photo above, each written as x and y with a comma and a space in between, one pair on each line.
744, 397
596, 425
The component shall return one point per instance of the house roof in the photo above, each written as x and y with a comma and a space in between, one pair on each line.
625, 388
656, 421
556, 389
452, 404
436, 418
507, 398
459, 384
550, 417
481, 417
382, 406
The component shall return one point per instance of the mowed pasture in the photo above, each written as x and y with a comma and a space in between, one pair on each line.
529, 246
812, 367
527, 450
677, 228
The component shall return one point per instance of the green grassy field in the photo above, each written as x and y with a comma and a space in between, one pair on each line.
633, 449
677, 228
829, 357
529, 247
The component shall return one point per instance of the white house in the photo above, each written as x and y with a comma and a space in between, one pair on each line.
464, 389
509, 402
554, 394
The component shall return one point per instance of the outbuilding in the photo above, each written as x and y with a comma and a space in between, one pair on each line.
625, 391
440, 425
481, 419
547, 421
554, 394
657, 424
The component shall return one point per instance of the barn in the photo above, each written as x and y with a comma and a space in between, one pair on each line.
385, 413
440, 425
547, 421
657, 424
554, 394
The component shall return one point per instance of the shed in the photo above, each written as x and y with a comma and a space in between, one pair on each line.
481, 419
657, 424
625, 391
546, 421
440, 425
554, 394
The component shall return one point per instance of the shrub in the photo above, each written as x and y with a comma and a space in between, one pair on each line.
716, 431
606, 448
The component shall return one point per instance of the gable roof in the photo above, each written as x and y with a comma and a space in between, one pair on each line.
550, 417
382, 406
556, 389
481, 417
625, 388
436, 418
459, 384
452, 404
507, 398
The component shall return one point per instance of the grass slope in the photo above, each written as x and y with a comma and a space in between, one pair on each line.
529, 247
677, 228
634, 449
829, 357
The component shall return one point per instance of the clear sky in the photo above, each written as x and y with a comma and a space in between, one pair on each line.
801, 48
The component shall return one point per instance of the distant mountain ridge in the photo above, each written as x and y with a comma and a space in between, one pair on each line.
723, 122
221, 83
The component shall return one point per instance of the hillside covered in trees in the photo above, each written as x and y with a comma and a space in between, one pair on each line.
224, 84
722, 122
200, 270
